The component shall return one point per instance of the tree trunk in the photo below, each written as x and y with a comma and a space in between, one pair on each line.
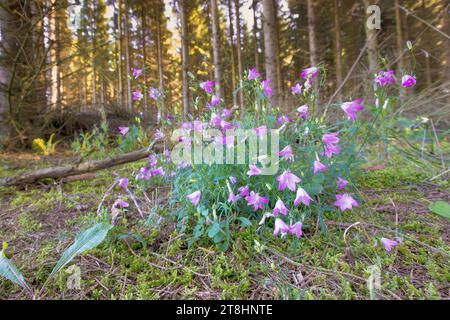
271, 48
94, 58
55, 57
184, 55
6, 47
337, 30
119, 38
127, 57
232, 49
216, 47
162, 105
147, 110
255, 35
239, 52
399, 38
313, 56
372, 45
446, 58
78, 169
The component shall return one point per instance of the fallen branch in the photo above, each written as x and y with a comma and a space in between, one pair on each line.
77, 169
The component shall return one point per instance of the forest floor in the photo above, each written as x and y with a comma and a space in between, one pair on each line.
145, 262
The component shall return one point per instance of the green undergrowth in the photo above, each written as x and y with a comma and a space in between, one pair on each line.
142, 261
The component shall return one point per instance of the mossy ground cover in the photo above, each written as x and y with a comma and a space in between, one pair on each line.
148, 261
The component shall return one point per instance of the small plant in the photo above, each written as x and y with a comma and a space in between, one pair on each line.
45, 148
92, 141
85, 241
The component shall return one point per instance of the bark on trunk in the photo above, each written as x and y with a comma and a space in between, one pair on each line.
239, 52
77, 169
184, 56
399, 38
337, 30
147, 110
271, 48
255, 36
127, 57
216, 47
232, 49
162, 106
55, 59
372, 45
313, 57
5, 71
119, 38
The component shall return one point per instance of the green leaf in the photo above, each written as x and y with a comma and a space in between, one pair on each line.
85, 241
9, 271
244, 222
213, 230
441, 208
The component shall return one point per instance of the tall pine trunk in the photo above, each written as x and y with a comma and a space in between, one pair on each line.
271, 48
162, 105
399, 40
55, 57
232, 49
184, 56
6, 48
94, 59
239, 52
313, 55
217, 61
372, 44
127, 57
446, 57
338, 48
144, 58
255, 36
119, 39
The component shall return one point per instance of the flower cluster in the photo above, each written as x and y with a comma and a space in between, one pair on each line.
315, 162
387, 78
295, 194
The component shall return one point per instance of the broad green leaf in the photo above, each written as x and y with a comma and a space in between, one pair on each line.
9, 271
441, 208
85, 241
213, 230
244, 222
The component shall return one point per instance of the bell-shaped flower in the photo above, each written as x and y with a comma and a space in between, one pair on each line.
389, 244
341, 183
289, 180
124, 130
296, 230
123, 183
319, 167
302, 197
309, 73
254, 171
195, 197
287, 154
345, 202
257, 201
385, 78
244, 191
280, 208
408, 81
267, 89
253, 74
304, 111
352, 108
208, 86
280, 228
